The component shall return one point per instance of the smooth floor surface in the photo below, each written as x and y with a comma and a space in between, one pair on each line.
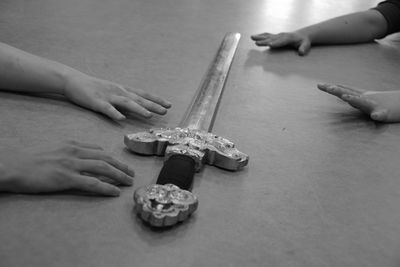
323, 184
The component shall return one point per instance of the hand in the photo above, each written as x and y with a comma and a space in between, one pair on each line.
70, 166
105, 97
294, 39
383, 106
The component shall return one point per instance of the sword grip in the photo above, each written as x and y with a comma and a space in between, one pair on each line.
178, 170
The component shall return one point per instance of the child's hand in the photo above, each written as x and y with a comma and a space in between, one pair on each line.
380, 106
294, 39
70, 166
105, 97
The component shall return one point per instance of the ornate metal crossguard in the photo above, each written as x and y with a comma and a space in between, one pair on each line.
187, 148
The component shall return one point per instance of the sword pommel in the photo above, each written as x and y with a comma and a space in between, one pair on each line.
164, 205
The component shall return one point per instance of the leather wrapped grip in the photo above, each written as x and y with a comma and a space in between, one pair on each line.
178, 170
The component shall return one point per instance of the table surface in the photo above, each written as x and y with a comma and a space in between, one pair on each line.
322, 187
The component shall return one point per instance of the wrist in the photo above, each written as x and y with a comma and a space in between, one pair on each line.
306, 33
70, 76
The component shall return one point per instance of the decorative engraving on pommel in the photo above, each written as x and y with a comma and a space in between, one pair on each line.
203, 147
164, 205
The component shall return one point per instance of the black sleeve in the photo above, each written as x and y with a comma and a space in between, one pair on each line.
390, 9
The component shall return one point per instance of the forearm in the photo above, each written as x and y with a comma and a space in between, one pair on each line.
360, 27
24, 72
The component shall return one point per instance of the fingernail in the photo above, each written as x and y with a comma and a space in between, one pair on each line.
374, 116
129, 181
378, 115
131, 172
147, 114
163, 111
121, 117
115, 191
346, 97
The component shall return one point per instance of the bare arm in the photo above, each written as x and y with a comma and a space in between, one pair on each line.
23, 72
359, 27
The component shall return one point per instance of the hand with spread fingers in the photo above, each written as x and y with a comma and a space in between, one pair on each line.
110, 98
382, 106
72, 165
297, 40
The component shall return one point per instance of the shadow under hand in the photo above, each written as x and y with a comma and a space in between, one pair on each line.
322, 63
352, 120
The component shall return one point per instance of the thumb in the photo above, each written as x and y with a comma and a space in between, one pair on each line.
379, 115
304, 47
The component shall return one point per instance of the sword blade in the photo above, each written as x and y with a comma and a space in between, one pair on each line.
201, 113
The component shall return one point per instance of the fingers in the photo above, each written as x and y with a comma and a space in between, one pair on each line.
142, 104
263, 39
275, 41
85, 145
304, 48
110, 111
103, 168
338, 90
359, 102
102, 156
351, 90
261, 36
131, 106
84, 163
380, 115
150, 105
283, 39
93, 185
151, 97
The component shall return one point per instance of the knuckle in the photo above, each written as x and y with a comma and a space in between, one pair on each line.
109, 159
61, 178
93, 183
139, 101
102, 166
124, 100
66, 163
71, 149
71, 142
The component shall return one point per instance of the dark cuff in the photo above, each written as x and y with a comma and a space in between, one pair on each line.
391, 12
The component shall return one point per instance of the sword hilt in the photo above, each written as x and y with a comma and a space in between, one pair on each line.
187, 150
178, 170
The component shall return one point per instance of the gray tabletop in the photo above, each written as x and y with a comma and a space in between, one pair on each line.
322, 186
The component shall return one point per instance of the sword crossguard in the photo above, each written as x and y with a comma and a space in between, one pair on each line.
203, 147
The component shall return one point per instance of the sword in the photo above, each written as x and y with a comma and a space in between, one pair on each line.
187, 148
